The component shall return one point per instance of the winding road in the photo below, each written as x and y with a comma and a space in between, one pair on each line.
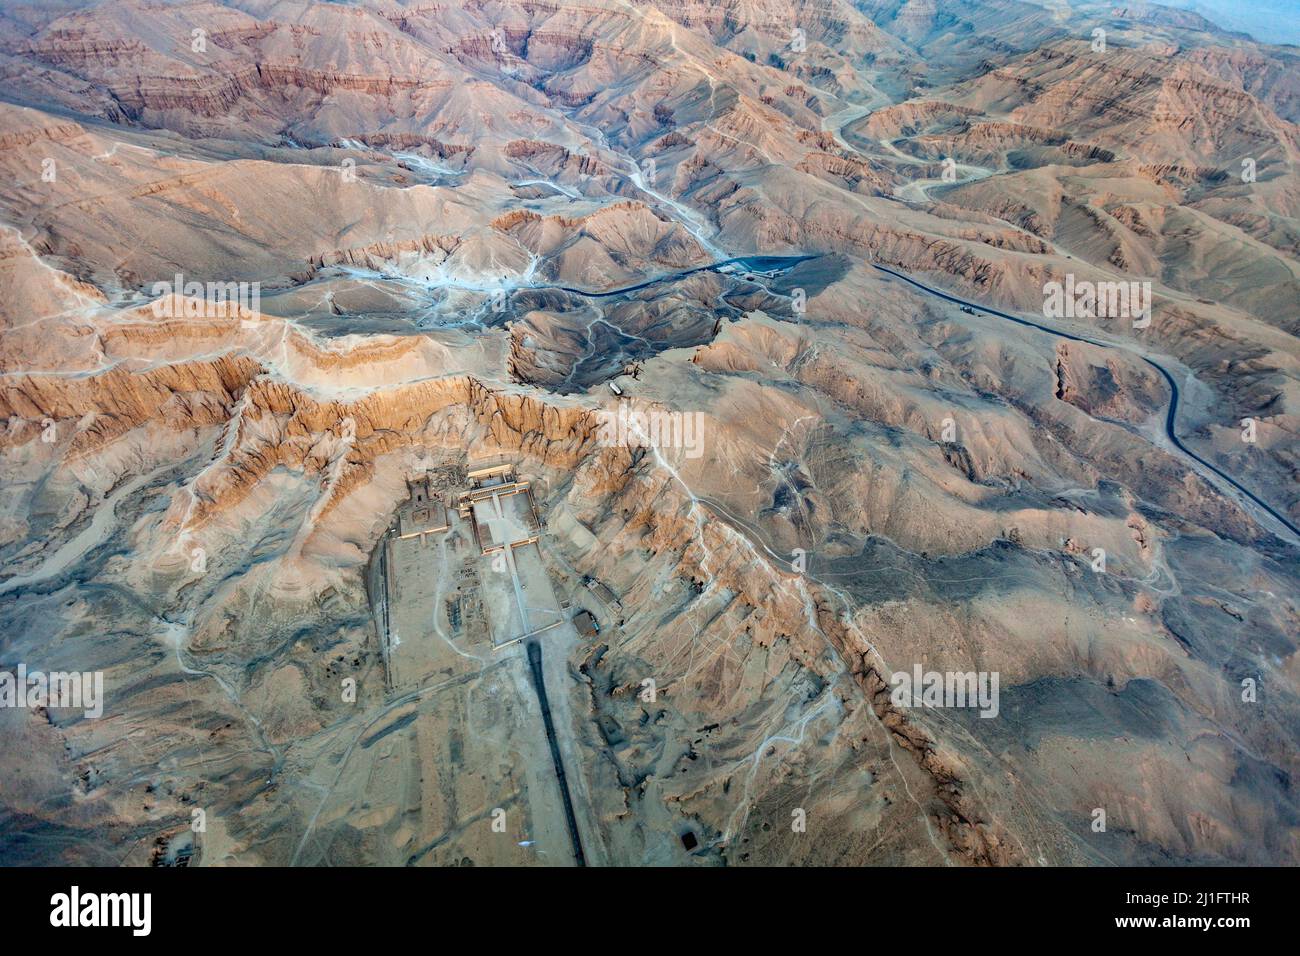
752, 263
1208, 469
1171, 416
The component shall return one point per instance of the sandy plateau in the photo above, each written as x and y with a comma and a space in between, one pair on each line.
371, 579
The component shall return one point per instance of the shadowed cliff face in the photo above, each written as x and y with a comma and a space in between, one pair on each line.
265, 270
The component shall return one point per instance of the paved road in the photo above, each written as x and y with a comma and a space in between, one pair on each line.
753, 263
1171, 415
539, 684
764, 263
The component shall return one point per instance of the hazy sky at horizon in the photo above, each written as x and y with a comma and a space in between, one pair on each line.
1269, 21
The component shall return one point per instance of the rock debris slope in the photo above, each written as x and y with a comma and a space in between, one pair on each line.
455, 223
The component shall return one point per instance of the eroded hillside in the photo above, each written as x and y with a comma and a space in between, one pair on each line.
274, 270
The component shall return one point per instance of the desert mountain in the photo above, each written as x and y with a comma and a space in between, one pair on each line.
269, 266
